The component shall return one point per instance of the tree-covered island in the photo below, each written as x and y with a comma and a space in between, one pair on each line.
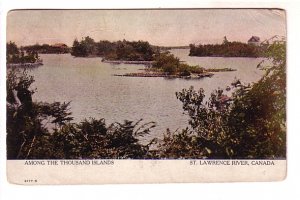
228, 49
28, 56
18, 57
113, 51
167, 65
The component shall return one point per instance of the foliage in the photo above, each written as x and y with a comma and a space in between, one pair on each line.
47, 49
167, 62
27, 120
38, 130
226, 49
83, 48
11, 48
14, 55
170, 64
120, 50
261, 111
179, 145
250, 124
225, 40
92, 139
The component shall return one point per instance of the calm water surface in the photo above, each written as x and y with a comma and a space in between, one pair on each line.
94, 92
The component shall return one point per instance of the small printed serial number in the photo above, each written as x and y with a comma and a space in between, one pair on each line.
30, 181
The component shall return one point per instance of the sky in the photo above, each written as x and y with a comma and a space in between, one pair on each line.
159, 27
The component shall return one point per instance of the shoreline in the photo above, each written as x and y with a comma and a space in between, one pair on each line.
24, 64
156, 75
128, 62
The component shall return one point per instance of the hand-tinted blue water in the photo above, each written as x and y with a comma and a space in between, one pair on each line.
94, 92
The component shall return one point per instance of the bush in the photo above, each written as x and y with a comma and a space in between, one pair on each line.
38, 130
26, 120
92, 139
250, 124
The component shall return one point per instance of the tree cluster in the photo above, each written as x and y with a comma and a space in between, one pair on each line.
47, 49
16, 55
251, 124
120, 50
227, 49
170, 64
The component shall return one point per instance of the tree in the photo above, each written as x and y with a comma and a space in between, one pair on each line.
27, 120
40, 130
167, 62
227, 49
250, 124
78, 49
258, 115
11, 48
120, 50
14, 55
225, 41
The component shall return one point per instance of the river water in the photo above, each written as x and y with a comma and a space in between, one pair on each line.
94, 92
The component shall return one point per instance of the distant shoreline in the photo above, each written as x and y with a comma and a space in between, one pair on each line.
164, 75
128, 62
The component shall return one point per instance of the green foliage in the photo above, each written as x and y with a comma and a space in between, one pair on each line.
250, 124
84, 48
120, 50
37, 130
180, 145
167, 62
11, 48
14, 55
47, 49
226, 49
260, 112
208, 121
170, 64
27, 120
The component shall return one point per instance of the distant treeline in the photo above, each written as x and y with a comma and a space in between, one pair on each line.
48, 49
227, 49
120, 50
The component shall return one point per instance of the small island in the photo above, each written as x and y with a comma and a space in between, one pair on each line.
28, 56
167, 65
137, 51
253, 49
16, 57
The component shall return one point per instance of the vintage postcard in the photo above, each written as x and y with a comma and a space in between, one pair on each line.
146, 96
